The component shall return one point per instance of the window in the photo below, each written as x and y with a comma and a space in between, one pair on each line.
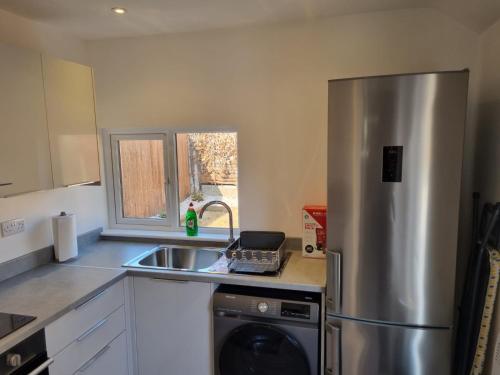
153, 177
139, 179
207, 170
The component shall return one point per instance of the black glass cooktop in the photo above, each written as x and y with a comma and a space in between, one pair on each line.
10, 322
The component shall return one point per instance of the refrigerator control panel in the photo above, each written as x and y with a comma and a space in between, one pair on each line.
392, 168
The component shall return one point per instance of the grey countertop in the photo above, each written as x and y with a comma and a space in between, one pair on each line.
299, 273
50, 291
110, 254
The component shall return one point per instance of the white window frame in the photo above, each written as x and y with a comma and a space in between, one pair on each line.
113, 180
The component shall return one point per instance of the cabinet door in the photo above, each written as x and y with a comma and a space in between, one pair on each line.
69, 93
24, 144
173, 323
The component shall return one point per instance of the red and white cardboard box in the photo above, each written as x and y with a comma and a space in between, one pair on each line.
314, 231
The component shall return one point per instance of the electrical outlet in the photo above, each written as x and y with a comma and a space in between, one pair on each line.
11, 227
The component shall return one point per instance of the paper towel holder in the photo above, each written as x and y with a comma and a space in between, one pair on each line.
65, 236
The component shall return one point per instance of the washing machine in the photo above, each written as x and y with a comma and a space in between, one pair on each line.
260, 331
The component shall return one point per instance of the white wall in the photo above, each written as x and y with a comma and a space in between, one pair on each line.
29, 34
270, 83
87, 202
488, 151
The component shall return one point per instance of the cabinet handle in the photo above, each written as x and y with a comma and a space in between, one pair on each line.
92, 330
332, 350
6, 183
42, 367
334, 279
18, 193
85, 303
170, 280
80, 184
92, 360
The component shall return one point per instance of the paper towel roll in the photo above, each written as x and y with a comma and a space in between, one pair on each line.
64, 229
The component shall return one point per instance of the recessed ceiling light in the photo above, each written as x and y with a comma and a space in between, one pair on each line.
119, 10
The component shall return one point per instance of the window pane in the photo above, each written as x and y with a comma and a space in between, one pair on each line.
142, 179
207, 169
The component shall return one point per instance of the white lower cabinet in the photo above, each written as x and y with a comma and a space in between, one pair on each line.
92, 338
173, 327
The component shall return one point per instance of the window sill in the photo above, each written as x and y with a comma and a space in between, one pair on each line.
163, 235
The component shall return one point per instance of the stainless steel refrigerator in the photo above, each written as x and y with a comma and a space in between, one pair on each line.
395, 146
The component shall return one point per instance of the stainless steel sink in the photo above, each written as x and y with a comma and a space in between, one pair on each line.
180, 258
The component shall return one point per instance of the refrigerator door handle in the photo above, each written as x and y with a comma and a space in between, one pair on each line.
332, 350
334, 279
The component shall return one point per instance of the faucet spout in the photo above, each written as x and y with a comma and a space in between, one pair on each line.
229, 211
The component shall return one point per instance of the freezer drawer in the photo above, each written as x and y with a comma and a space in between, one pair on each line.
362, 348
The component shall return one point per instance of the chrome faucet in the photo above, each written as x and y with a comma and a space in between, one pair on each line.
229, 211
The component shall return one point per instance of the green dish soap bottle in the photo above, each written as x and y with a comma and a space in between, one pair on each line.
191, 221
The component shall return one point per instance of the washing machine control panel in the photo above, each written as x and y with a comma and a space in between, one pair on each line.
262, 307
226, 304
285, 309
296, 310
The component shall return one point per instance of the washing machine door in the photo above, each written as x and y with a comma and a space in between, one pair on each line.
260, 349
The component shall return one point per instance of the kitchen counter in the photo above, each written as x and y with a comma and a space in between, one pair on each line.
299, 273
52, 290
110, 254
49, 292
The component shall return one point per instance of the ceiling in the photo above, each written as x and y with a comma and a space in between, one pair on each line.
92, 19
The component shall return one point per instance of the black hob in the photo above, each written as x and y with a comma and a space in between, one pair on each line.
11, 322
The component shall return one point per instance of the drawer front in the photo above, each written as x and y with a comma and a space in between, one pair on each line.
85, 347
111, 359
69, 327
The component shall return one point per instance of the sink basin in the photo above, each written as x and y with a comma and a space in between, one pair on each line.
180, 258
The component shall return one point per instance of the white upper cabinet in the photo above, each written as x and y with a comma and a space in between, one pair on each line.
24, 145
48, 135
69, 95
